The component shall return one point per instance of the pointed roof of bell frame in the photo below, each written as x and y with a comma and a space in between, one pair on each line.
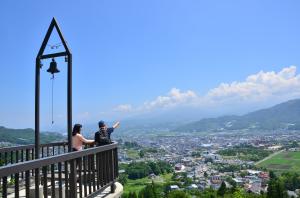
48, 34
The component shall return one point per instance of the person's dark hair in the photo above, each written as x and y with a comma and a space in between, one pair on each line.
76, 129
101, 124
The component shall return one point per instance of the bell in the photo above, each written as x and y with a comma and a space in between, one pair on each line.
53, 67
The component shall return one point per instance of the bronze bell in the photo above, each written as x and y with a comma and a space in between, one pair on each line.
53, 67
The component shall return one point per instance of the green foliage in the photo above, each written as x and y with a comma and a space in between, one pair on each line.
276, 189
222, 189
181, 179
243, 174
26, 136
138, 170
278, 186
246, 152
196, 154
130, 145
142, 153
209, 160
238, 193
123, 166
12, 181
150, 150
205, 174
208, 193
133, 195
178, 194
132, 154
151, 191
130, 195
155, 168
228, 167
123, 179
291, 181
165, 167
294, 144
272, 175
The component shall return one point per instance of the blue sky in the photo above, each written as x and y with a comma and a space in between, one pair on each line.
129, 52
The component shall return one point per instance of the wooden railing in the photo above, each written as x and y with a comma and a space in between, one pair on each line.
95, 169
17, 154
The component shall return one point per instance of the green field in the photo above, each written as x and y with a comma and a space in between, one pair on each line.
287, 161
139, 184
133, 154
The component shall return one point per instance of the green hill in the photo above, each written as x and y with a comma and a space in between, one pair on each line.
26, 136
282, 116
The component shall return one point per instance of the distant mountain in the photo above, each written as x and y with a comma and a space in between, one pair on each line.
282, 116
26, 136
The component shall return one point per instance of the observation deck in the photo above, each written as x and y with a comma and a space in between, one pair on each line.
95, 174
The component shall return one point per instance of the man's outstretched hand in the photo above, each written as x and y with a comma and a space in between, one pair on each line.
116, 125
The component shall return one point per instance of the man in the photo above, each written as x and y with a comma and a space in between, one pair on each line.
102, 137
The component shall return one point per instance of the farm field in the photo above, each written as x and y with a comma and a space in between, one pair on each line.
139, 184
286, 161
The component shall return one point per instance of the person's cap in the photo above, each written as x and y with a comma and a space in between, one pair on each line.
101, 124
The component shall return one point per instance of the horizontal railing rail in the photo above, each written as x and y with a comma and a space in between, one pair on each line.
33, 164
95, 168
16, 154
30, 146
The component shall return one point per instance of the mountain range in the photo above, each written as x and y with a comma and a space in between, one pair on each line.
282, 116
26, 136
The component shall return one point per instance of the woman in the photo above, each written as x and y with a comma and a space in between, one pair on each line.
78, 139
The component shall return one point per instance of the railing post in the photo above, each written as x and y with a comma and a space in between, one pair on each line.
37, 123
73, 179
112, 166
4, 190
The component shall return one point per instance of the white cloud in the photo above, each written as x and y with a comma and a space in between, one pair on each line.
259, 87
174, 98
123, 108
255, 89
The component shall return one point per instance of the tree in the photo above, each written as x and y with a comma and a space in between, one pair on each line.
276, 189
123, 179
138, 170
222, 189
205, 174
243, 174
291, 181
150, 191
238, 193
142, 153
155, 168
272, 175
165, 167
132, 195
209, 160
271, 189
178, 194
209, 193
295, 144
